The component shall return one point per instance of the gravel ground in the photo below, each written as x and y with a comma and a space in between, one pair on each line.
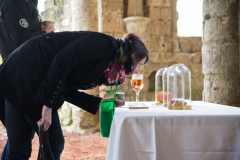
91, 146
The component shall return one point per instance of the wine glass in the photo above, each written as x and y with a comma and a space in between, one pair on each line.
137, 85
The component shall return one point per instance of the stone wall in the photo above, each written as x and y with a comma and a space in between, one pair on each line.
58, 11
157, 28
190, 44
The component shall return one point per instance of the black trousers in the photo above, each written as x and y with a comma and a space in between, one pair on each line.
19, 131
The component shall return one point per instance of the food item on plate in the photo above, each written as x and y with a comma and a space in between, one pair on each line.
160, 97
178, 103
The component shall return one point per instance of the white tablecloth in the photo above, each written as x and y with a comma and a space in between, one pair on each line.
207, 132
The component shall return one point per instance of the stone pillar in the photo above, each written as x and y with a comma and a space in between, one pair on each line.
84, 15
220, 52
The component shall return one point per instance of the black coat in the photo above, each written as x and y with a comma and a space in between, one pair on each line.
19, 21
49, 69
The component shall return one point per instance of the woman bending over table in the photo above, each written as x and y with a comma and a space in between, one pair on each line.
39, 75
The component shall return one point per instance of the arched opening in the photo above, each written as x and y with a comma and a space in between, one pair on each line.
152, 81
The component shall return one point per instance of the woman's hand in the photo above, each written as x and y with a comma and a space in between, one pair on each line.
46, 118
48, 28
116, 100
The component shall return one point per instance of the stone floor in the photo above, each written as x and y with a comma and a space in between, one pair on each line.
91, 146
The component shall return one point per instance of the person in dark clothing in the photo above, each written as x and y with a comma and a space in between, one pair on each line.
47, 70
19, 22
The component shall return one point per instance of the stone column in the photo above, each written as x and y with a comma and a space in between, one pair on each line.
84, 15
220, 52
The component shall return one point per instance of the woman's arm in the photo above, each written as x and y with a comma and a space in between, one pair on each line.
83, 100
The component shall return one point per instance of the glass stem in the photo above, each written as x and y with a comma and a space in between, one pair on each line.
137, 98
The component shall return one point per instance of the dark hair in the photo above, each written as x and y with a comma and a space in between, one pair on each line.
139, 49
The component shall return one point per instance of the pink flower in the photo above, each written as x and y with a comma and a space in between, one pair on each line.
116, 72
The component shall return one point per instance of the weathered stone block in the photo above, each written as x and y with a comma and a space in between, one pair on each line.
158, 3
67, 11
57, 25
48, 4
220, 57
149, 96
118, 34
57, 2
155, 57
65, 114
214, 30
166, 14
84, 119
66, 121
58, 12
190, 44
111, 22
222, 89
113, 6
151, 67
157, 43
47, 15
110, 16
161, 27
89, 120
196, 80
155, 13
182, 58
161, 43
219, 8
65, 2
196, 57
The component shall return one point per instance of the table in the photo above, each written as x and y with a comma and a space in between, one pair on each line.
207, 132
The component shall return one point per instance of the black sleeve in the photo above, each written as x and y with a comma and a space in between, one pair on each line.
88, 47
18, 21
83, 100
